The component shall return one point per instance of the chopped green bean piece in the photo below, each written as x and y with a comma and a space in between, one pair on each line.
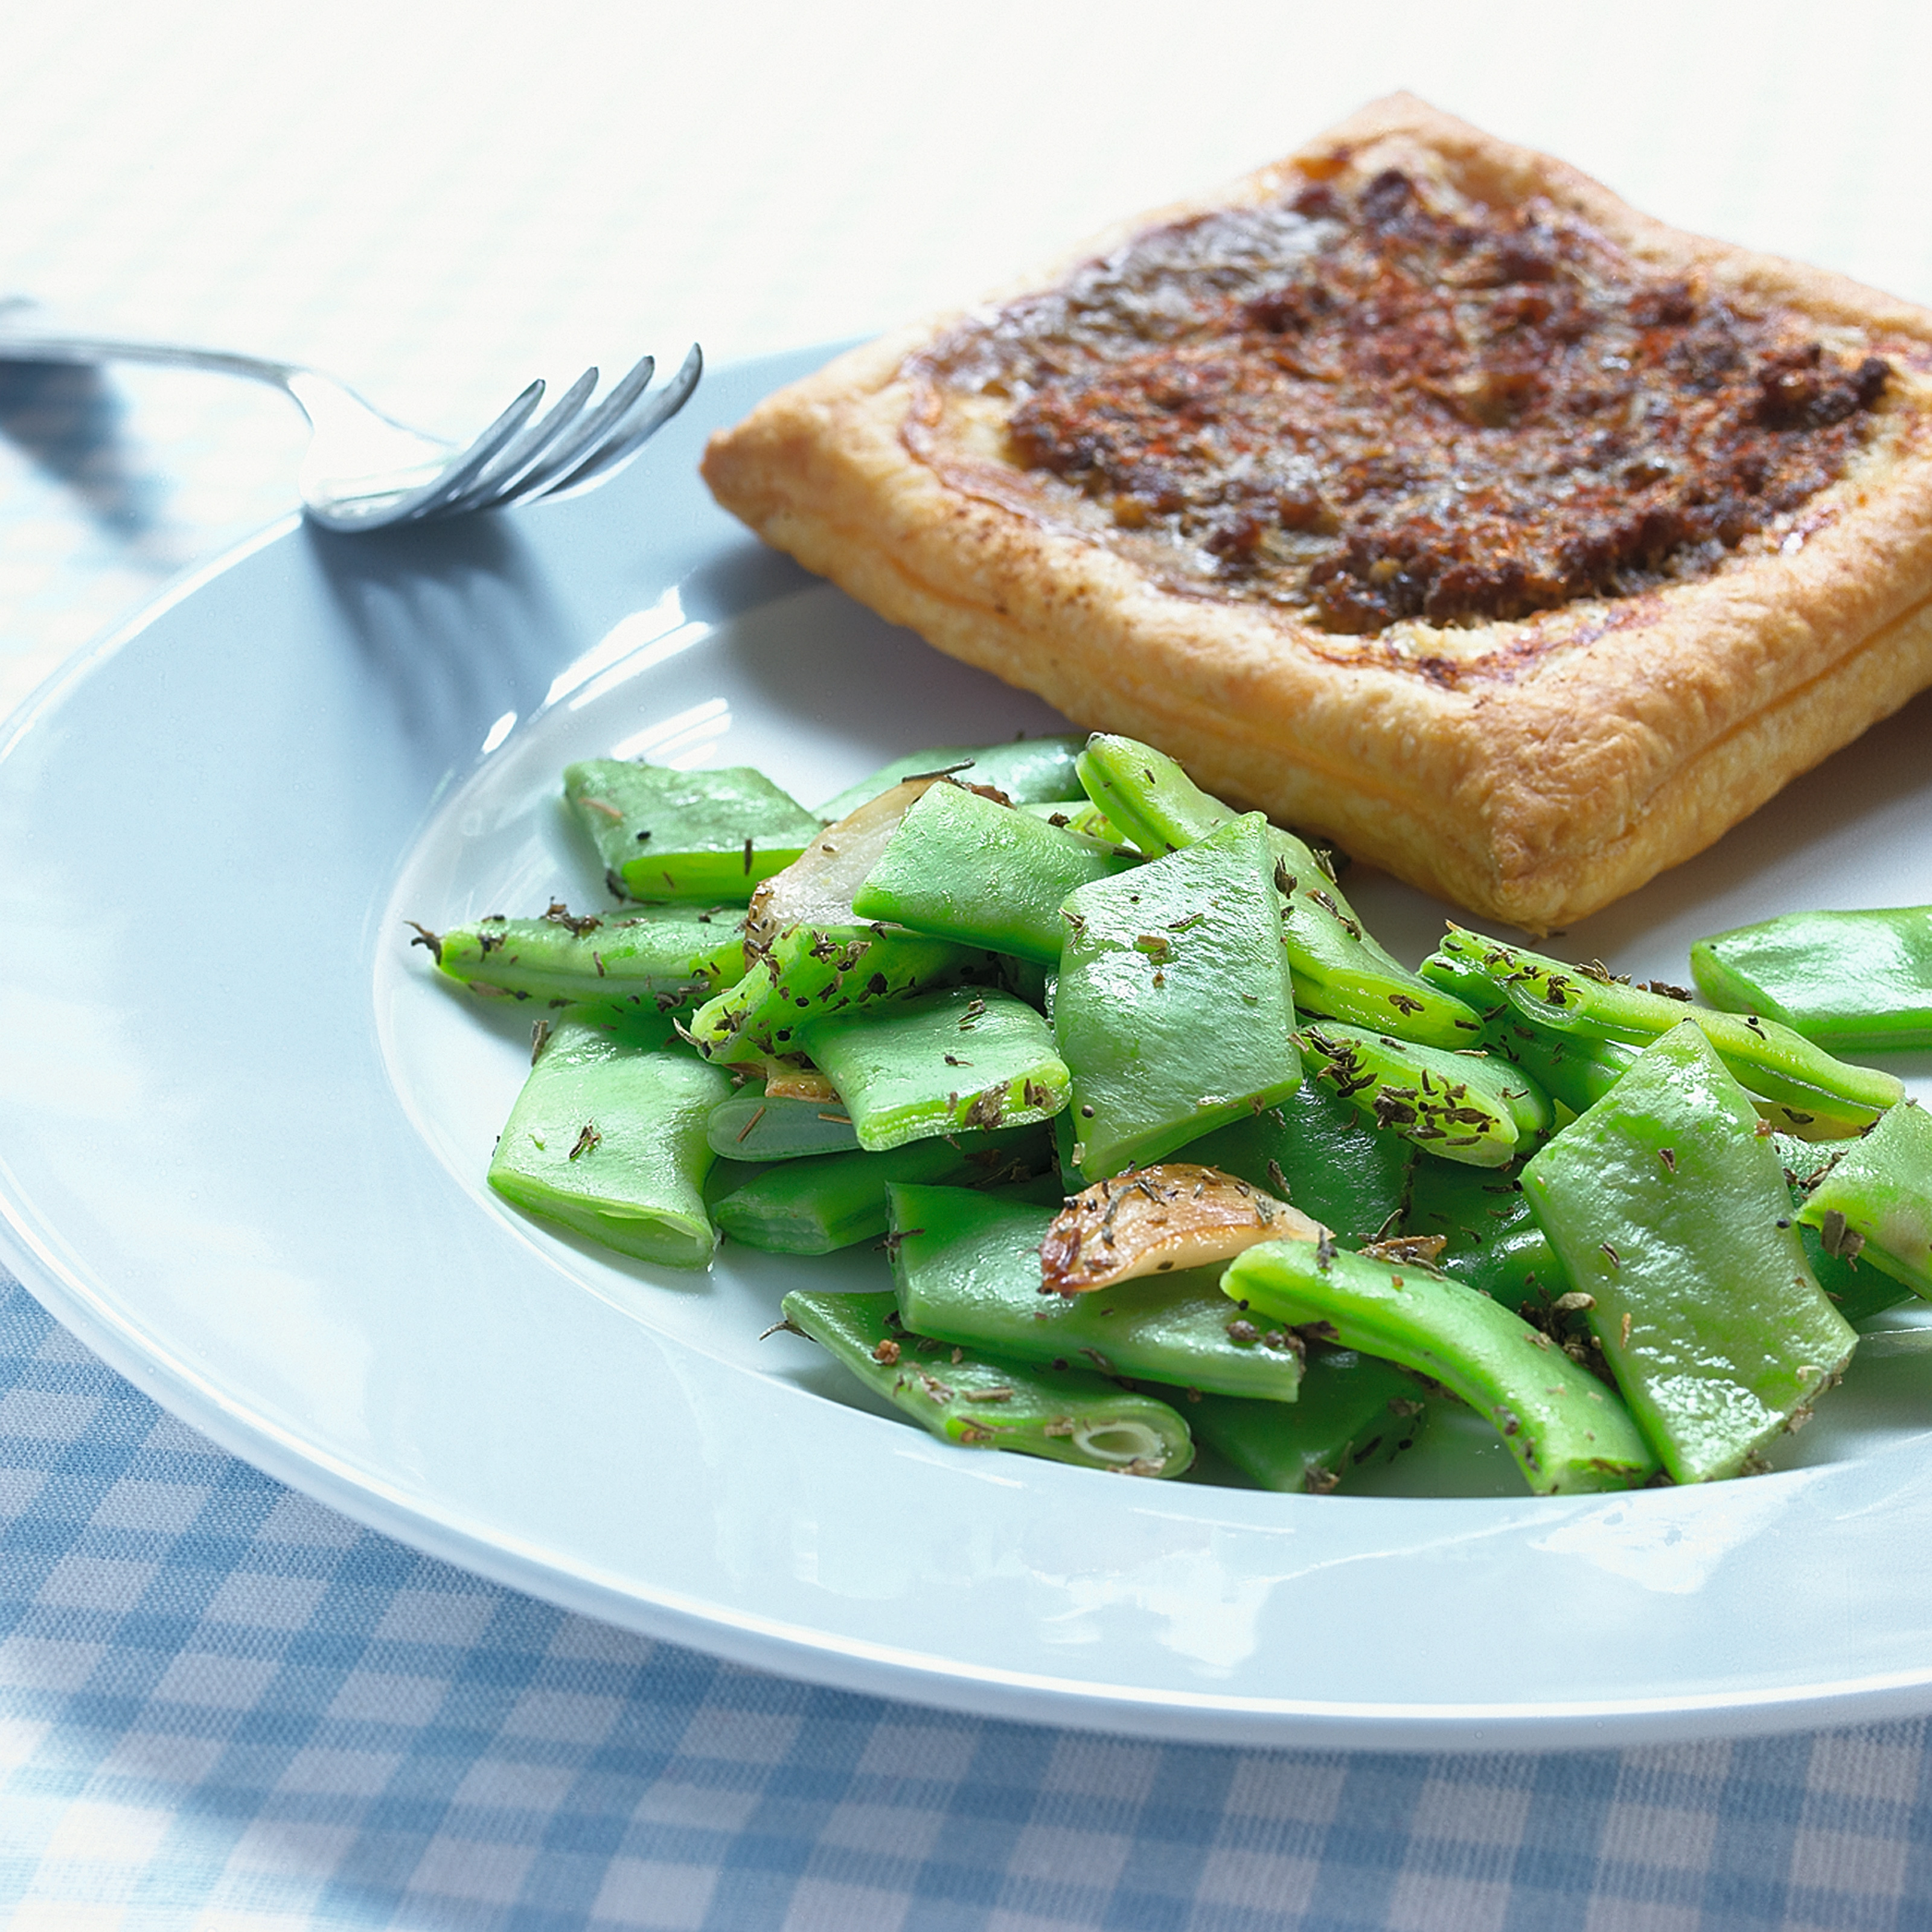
1852, 981
753, 1126
607, 1138
1028, 770
1494, 1243
1858, 1293
1083, 816
1354, 1413
1339, 969
962, 867
1471, 1107
663, 834
911, 1068
811, 953
816, 1207
967, 1267
1173, 1006
1567, 1432
1767, 1058
1568, 1067
1669, 1209
666, 955
1874, 1204
812, 971
980, 1402
1314, 1149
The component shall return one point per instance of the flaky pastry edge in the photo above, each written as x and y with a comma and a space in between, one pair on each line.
1592, 748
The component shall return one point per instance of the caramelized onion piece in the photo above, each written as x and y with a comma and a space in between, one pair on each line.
1174, 1215
788, 1083
816, 889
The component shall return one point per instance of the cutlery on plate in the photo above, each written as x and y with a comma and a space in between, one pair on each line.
364, 471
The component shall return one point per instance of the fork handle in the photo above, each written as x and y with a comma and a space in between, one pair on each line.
31, 344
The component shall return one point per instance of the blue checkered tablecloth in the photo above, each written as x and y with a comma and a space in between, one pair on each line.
225, 1708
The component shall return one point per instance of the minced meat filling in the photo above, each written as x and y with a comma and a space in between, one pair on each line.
1370, 408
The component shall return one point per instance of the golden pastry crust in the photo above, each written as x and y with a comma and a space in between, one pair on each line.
1532, 767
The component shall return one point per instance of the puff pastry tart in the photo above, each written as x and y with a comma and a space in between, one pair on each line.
1415, 490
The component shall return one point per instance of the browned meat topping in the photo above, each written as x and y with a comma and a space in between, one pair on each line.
1373, 408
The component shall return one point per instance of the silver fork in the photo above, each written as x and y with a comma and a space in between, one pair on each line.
364, 471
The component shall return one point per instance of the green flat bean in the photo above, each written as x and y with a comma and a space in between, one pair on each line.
1767, 1058
1314, 1149
1339, 969
1567, 1432
981, 1403
967, 1270
751, 1126
1874, 1204
1028, 770
1857, 1293
962, 867
607, 1138
1173, 1006
1080, 815
913, 1068
1852, 981
1467, 1107
812, 971
663, 834
1669, 1209
1494, 1243
1354, 1413
816, 1207
665, 955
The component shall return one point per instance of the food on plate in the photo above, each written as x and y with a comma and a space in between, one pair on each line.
1566, 1429
1590, 1004
664, 834
1856, 982
1065, 1415
1173, 999
666, 955
1415, 489
1670, 1214
1174, 1214
1124, 1183
608, 1137
966, 1269
1351, 1412
1872, 1200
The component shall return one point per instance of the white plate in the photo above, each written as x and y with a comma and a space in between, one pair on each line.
242, 1134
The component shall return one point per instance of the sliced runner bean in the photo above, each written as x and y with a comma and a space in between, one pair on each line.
967, 1268
1339, 969
1853, 982
666, 955
1173, 1005
1353, 1413
663, 834
963, 868
962, 1058
1767, 1058
980, 1402
1471, 1108
1565, 1429
1669, 1210
1028, 770
1873, 1205
816, 1207
607, 1138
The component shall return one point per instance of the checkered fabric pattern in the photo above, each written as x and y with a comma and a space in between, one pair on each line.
224, 1708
